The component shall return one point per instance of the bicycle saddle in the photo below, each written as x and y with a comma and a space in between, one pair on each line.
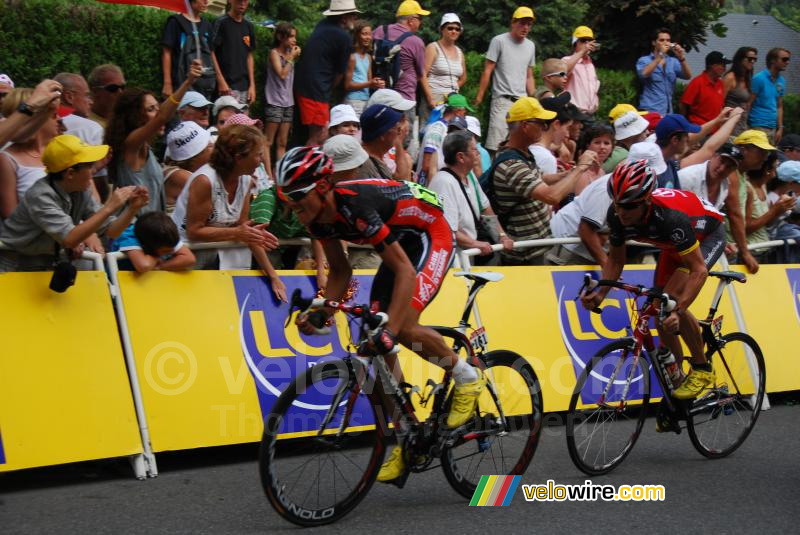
729, 275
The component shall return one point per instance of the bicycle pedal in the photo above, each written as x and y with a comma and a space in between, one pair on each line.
400, 481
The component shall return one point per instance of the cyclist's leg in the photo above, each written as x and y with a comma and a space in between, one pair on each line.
666, 270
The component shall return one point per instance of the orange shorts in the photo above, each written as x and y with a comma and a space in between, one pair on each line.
313, 112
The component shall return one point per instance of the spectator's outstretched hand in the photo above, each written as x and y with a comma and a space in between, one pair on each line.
279, 289
195, 69
139, 198
46, 95
119, 197
256, 235
589, 159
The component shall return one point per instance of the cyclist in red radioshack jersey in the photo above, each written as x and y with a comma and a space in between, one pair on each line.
691, 237
405, 223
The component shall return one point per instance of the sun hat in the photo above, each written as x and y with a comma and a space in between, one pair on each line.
447, 18
342, 113
789, 171
241, 118
649, 151
753, 137
409, 8
391, 98
620, 109
346, 152
528, 108
227, 101
341, 7
186, 141
523, 12
628, 125
582, 32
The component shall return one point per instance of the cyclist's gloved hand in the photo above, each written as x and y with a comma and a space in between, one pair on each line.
313, 322
380, 341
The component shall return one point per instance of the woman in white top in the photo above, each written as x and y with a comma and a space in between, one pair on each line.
445, 69
215, 204
21, 163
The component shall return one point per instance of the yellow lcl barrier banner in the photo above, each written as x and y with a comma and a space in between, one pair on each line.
64, 391
213, 354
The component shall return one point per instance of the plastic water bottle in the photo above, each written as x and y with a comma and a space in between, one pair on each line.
667, 360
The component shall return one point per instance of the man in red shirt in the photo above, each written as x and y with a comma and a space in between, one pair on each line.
704, 96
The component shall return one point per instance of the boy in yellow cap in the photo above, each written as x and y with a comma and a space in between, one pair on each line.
509, 65
59, 212
582, 81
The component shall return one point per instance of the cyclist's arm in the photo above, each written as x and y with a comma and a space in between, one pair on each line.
593, 242
698, 273
613, 266
405, 281
340, 272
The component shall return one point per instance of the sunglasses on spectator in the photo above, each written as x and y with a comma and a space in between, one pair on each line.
784, 59
453, 29
111, 88
544, 125
751, 59
586, 39
560, 74
628, 206
296, 195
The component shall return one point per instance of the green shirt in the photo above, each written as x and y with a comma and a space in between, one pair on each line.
617, 155
268, 208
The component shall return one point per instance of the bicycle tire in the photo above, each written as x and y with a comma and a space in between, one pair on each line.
597, 454
304, 497
719, 421
509, 454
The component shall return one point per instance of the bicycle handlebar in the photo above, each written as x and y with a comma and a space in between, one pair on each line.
305, 304
667, 303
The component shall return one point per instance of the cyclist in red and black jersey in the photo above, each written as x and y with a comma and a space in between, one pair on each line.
405, 223
691, 237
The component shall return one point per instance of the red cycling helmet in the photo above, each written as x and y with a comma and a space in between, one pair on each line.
632, 182
299, 171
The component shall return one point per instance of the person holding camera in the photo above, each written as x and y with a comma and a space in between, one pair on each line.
582, 81
58, 213
658, 72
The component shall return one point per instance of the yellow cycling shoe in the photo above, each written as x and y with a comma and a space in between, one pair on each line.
696, 382
393, 467
465, 399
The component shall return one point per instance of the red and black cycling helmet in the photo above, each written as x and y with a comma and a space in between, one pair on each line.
632, 182
300, 169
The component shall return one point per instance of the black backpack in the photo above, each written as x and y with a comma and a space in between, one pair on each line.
486, 182
386, 61
207, 83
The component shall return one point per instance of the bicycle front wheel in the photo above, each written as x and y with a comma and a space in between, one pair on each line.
492, 449
608, 408
323, 445
722, 417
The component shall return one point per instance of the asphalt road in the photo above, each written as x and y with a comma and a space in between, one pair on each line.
218, 491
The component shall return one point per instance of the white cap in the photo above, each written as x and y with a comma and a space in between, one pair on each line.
474, 125
448, 18
629, 124
186, 140
227, 101
6, 79
345, 151
650, 152
390, 98
343, 113
194, 99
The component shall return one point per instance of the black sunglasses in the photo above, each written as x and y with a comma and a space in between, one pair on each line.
111, 88
628, 206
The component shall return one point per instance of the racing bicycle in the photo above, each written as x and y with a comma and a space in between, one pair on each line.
326, 436
609, 403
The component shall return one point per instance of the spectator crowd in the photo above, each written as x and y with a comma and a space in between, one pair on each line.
79, 169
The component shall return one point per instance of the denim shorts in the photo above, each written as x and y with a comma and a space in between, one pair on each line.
278, 114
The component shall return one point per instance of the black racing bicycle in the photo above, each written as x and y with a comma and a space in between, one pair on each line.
609, 404
325, 439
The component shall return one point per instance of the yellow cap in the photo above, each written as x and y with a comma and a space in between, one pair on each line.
411, 7
621, 109
753, 137
65, 151
582, 32
523, 12
528, 108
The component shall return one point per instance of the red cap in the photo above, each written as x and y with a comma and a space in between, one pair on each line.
63, 111
652, 118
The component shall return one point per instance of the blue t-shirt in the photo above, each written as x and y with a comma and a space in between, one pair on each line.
658, 87
360, 73
764, 112
127, 242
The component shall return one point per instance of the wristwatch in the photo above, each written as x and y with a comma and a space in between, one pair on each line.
24, 108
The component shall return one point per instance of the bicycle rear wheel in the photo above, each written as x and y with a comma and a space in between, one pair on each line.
489, 449
311, 475
608, 408
720, 419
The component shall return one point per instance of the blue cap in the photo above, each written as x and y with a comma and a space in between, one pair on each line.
673, 123
457, 123
789, 171
378, 119
195, 100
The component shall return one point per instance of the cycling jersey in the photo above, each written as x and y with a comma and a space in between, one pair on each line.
677, 221
379, 212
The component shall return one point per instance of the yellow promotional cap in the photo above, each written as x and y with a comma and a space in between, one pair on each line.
411, 7
621, 109
523, 12
528, 108
753, 137
65, 151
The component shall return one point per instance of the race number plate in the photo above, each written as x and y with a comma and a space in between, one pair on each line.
478, 339
716, 325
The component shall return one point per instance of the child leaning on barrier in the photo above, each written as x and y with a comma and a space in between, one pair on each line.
153, 243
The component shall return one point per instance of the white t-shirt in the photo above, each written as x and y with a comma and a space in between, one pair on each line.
544, 159
456, 210
693, 178
433, 142
590, 206
87, 131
